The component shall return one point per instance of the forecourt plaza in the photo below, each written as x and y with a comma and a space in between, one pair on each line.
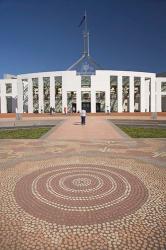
82, 187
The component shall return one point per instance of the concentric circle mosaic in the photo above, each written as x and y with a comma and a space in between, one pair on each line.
80, 194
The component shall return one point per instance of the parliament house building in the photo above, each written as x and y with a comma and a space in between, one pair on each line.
84, 85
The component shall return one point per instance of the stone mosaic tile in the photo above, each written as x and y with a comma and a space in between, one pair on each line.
83, 203
83, 194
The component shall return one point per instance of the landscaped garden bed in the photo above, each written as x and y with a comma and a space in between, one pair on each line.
137, 132
24, 133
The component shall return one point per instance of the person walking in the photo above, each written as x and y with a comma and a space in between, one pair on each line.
83, 117
51, 109
65, 110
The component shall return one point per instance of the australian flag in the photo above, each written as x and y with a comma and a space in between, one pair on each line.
83, 19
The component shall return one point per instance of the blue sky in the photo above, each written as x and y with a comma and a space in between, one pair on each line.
43, 35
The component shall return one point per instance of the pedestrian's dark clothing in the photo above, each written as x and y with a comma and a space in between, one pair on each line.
51, 109
83, 116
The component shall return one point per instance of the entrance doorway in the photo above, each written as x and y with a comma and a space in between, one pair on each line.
86, 106
86, 100
163, 103
71, 102
74, 107
98, 107
9, 104
100, 101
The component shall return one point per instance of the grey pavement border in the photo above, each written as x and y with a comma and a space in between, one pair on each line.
31, 123
123, 134
59, 123
141, 123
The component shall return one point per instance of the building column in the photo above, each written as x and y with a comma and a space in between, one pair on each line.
20, 96
147, 95
64, 99
93, 101
158, 95
52, 92
30, 96
131, 94
142, 94
152, 95
107, 96
107, 100
14, 97
3, 98
41, 98
119, 94
78, 96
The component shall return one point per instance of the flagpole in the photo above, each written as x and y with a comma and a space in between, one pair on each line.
85, 22
86, 37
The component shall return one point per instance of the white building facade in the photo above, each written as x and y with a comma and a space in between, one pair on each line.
84, 85
106, 91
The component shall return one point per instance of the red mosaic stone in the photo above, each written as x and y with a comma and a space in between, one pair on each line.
80, 194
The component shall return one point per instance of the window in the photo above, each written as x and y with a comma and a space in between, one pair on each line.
125, 92
71, 101
86, 96
35, 95
8, 88
58, 94
25, 95
137, 93
163, 86
46, 93
113, 93
100, 101
85, 81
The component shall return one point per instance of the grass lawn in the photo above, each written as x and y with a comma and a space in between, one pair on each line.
144, 132
23, 133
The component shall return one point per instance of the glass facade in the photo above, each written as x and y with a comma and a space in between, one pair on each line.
125, 93
8, 88
137, 96
35, 89
85, 81
163, 103
46, 93
163, 86
113, 93
163, 96
25, 95
100, 101
71, 102
58, 94
85, 96
86, 100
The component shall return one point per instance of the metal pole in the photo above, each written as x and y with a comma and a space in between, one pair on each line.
86, 36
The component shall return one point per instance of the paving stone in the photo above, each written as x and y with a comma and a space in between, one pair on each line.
90, 193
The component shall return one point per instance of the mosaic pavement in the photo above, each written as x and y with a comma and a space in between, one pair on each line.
84, 195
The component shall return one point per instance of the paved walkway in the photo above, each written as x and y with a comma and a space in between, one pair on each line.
83, 188
96, 128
